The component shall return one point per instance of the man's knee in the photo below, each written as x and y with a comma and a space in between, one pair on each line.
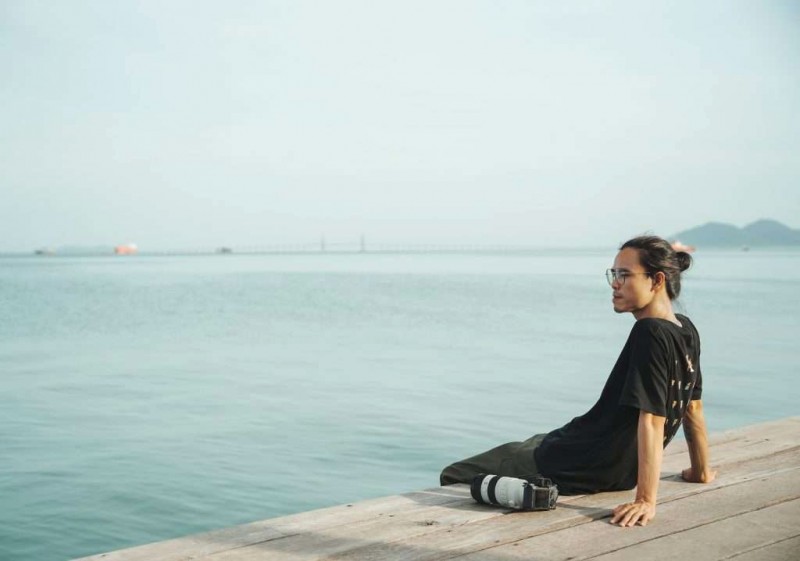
452, 474
447, 477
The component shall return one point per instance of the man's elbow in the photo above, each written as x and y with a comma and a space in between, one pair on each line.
694, 407
693, 418
651, 422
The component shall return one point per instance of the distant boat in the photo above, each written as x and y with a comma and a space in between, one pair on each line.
224, 250
677, 245
45, 251
126, 249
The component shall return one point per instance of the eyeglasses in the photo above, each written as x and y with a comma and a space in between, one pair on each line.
619, 275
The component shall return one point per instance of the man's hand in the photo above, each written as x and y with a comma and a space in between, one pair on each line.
704, 477
637, 512
650, 441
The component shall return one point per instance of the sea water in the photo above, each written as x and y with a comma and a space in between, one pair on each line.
145, 398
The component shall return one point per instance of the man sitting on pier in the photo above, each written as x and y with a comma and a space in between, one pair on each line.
654, 387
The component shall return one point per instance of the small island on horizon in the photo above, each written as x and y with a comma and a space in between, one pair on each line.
761, 233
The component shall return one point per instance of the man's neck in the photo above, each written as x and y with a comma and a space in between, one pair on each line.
660, 308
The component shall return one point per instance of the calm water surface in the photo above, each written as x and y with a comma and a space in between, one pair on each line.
147, 398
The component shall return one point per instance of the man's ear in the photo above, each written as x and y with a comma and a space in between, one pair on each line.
659, 279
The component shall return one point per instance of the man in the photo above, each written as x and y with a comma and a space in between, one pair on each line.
655, 385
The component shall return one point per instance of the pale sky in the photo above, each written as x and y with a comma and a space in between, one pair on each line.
191, 124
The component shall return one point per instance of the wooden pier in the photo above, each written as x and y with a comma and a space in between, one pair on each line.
751, 512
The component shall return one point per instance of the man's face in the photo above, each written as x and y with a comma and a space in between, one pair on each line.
632, 289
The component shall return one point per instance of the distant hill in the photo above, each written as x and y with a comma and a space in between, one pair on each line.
760, 233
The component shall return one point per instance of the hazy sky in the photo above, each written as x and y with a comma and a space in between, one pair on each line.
186, 124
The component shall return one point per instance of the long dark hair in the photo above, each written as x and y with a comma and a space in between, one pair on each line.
656, 255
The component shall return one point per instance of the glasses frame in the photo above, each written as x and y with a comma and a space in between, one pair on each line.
619, 276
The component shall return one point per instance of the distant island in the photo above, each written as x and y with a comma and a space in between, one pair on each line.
760, 233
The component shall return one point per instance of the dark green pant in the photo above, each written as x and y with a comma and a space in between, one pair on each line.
513, 459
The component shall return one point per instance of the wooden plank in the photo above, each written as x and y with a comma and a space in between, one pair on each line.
741, 443
448, 510
331, 540
204, 544
674, 517
780, 430
724, 539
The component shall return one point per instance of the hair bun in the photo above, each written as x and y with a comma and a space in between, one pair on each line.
684, 260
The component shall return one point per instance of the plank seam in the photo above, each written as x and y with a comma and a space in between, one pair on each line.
756, 548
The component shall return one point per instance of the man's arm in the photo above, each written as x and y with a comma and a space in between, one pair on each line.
650, 440
694, 427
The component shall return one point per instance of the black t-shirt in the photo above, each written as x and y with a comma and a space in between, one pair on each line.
658, 371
